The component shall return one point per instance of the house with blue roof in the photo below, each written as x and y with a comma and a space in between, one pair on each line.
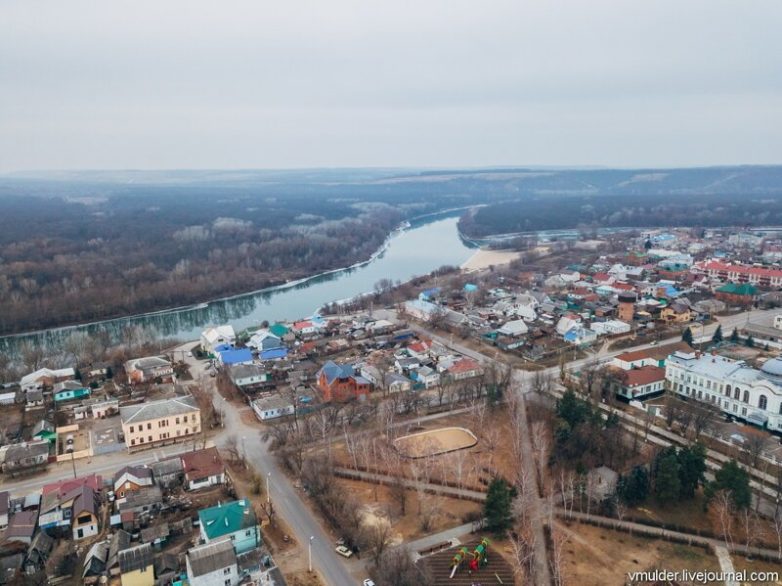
340, 382
233, 356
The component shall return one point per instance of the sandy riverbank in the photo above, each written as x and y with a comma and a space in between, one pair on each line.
483, 259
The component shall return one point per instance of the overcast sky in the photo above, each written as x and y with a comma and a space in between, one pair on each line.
220, 84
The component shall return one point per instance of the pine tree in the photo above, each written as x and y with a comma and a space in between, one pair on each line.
734, 336
634, 488
733, 479
497, 506
687, 336
667, 485
692, 467
717, 337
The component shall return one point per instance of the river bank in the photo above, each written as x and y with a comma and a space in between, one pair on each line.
485, 258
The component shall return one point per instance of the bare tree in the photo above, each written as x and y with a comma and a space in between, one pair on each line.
378, 536
753, 446
232, 448
724, 509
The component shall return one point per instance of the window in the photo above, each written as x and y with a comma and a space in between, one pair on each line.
149, 426
227, 571
746, 396
763, 402
228, 582
185, 418
150, 438
132, 442
177, 420
131, 429
736, 394
744, 411
248, 532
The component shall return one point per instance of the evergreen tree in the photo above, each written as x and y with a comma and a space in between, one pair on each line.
634, 488
717, 337
734, 335
497, 506
750, 342
733, 479
667, 486
687, 336
692, 467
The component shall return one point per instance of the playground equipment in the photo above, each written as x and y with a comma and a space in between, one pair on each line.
479, 556
457, 560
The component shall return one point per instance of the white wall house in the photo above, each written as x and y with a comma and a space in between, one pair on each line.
730, 385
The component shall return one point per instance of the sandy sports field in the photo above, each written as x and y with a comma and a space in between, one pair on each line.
483, 259
435, 441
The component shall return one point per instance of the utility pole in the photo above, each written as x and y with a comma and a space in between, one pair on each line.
268, 494
310, 552
73, 463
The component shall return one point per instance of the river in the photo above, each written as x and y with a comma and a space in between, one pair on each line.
418, 250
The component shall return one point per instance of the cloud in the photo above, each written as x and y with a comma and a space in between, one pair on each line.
197, 84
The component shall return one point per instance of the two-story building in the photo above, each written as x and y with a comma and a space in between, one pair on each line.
235, 521
729, 385
158, 422
71, 505
212, 564
339, 382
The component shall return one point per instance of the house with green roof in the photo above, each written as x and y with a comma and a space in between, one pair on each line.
279, 330
737, 294
235, 520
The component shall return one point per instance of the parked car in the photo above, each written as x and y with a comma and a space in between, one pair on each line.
368, 582
343, 551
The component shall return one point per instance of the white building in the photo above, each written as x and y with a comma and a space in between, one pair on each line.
730, 385
609, 328
216, 336
514, 328
778, 322
213, 564
272, 407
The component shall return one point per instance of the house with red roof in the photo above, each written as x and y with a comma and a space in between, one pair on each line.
738, 273
71, 504
464, 368
203, 468
339, 382
640, 383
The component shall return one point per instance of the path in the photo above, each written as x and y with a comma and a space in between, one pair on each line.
433, 488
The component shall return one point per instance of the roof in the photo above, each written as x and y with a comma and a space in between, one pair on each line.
464, 365
202, 464
166, 467
46, 373
135, 558
227, 518
733, 289
236, 356
21, 525
85, 501
147, 363
742, 269
655, 352
120, 541
16, 452
644, 376
279, 330
139, 472
158, 409
211, 557
157, 531
4, 500
143, 497
42, 426
333, 371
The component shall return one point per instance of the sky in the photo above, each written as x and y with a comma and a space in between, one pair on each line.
433, 83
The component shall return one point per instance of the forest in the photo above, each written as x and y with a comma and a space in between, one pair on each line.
88, 245
618, 211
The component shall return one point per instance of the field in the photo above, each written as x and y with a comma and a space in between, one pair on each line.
435, 442
595, 556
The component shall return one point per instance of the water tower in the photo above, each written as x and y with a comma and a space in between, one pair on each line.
627, 306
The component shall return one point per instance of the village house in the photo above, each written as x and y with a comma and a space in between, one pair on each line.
203, 468
639, 383
136, 565
464, 368
676, 312
249, 376
24, 456
33, 399
131, 478
149, 369
212, 564
71, 504
234, 521
340, 383
161, 421
742, 295
45, 377
272, 407
21, 527
215, 336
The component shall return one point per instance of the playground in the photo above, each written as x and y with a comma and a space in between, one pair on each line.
477, 562
435, 442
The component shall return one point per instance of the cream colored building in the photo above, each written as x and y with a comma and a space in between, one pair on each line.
159, 422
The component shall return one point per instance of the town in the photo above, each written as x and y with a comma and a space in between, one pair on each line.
490, 421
